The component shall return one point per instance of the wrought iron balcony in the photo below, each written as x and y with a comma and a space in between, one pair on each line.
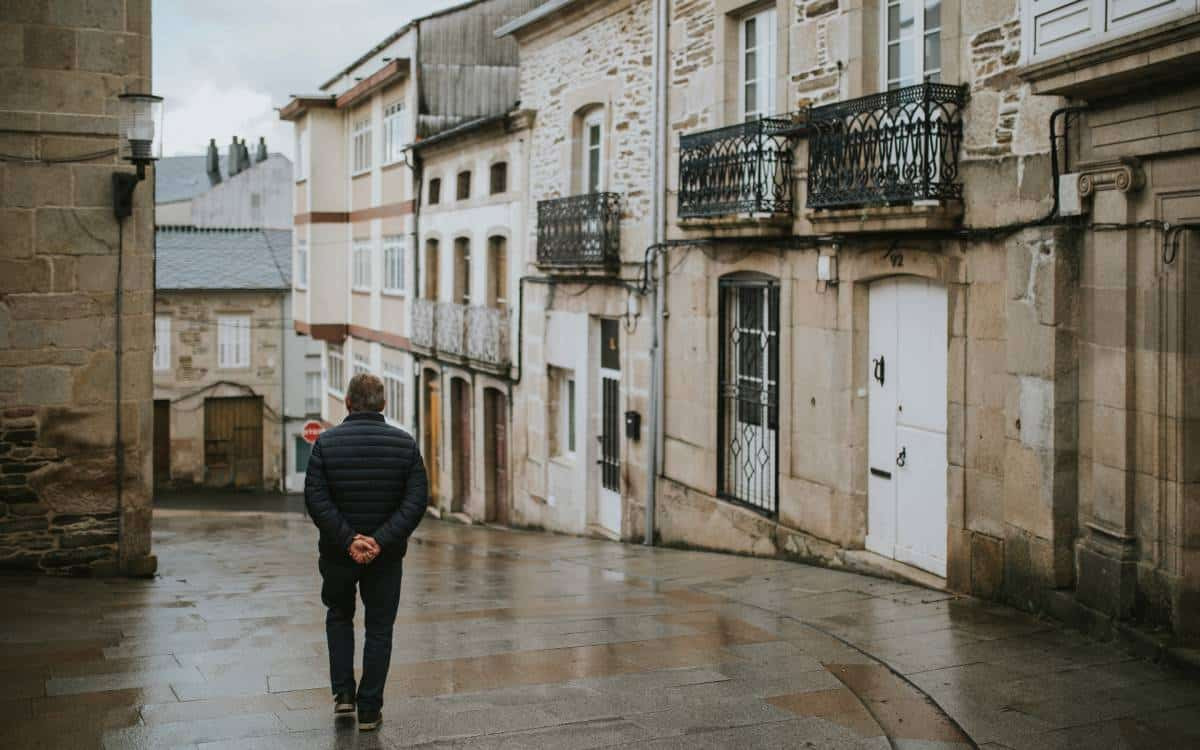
739, 169
487, 335
895, 147
580, 231
451, 328
424, 317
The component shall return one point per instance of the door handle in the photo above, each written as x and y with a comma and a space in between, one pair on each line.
902, 456
878, 369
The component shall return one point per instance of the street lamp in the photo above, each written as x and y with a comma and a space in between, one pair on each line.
141, 143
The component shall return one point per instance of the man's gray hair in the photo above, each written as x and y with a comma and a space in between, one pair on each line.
365, 393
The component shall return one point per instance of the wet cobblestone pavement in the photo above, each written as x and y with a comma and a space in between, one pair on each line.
525, 640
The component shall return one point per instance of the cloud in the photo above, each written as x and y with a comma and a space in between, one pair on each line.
222, 66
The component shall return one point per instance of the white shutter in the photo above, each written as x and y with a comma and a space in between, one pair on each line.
244, 343
1061, 25
1127, 16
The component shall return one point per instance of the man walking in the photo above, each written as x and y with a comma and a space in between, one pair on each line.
366, 491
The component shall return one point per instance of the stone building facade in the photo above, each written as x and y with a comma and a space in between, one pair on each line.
585, 74
74, 489
464, 299
221, 358
1028, 304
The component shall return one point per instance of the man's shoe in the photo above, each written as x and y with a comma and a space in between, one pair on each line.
343, 703
368, 720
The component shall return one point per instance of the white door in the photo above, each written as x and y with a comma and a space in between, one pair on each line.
906, 511
608, 501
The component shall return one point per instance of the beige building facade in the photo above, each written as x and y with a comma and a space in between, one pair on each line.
76, 293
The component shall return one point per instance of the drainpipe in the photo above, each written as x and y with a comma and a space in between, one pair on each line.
658, 214
283, 411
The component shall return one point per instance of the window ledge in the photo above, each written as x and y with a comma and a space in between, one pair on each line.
756, 223
906, 218
1117, 66
366, 291
393, 293
360, 173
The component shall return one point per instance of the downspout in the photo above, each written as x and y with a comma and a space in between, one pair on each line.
118, 443
283, 442
658, 216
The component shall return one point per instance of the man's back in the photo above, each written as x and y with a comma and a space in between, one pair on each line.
369, 470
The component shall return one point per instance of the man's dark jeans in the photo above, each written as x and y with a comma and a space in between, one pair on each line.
379, 584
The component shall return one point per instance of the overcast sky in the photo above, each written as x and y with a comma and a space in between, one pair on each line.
223, 66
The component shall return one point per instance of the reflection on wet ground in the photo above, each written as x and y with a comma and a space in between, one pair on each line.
524, 640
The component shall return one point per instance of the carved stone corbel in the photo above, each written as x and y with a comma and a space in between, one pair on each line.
1124, 175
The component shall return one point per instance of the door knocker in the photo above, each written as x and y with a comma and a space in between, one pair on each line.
878, 366
902, 457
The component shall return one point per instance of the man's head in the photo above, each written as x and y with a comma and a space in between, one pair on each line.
365, 393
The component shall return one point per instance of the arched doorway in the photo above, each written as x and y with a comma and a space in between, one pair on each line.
460, 443
432, 422
495, 456
907, 412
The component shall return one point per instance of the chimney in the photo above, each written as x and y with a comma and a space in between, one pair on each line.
233, 162
212, 162
261, 153
245, 154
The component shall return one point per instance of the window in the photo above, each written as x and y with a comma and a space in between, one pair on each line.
336, 369
463, 190
362, 265
432, 263
435, 192
393, 393
912, 42
393, 264
593, 152
362, 145
233, 341
312, 393
361, 364
497, 272
562, 412
162, 343
1054, 27
301, 270
301, 161
462, 271
499, 177
756, 61
393, 132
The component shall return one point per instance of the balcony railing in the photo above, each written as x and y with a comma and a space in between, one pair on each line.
480, 334
580, 231
450, 328
739, 169
898, 146
424, 315
487, 335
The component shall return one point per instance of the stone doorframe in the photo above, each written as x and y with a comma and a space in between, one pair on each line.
858, 268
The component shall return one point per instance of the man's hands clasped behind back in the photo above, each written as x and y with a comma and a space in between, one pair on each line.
364, 549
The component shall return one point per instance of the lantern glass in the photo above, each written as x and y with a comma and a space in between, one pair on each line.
141, 127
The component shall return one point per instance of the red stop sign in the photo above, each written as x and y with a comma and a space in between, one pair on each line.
312, 430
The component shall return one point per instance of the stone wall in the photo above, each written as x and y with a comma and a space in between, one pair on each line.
62, 66
195, 376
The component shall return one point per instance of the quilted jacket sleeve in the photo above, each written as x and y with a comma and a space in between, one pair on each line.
403, 522
321, 508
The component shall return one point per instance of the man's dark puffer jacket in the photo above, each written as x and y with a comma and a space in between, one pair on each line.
365, 477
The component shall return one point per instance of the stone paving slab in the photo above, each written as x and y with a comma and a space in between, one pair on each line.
511, 639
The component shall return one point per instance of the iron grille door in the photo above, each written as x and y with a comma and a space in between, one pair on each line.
610, 446
748, 394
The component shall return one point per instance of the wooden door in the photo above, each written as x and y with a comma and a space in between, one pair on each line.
233, 440
495, 432
460, 438
433, 432
162, 441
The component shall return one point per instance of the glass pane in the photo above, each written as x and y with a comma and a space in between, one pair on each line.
751, 33
751, 66
933, 51
933, 15
893, 27
593, 170
751, 100
908, 17
893, 64
594, 136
